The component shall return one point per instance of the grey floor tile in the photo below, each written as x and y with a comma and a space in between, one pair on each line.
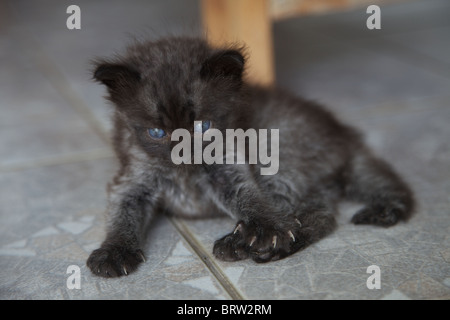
37, 269
396, 18
53, 217
431, 43
330, 271
336, 60
31, 199
37, 123
348, 76
414, 140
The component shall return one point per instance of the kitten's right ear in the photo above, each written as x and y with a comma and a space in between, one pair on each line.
116, 76
224, 63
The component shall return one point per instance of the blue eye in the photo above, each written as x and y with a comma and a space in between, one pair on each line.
156, 133
205, 125
202, 126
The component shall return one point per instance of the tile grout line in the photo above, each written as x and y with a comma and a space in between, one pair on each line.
102, 153
206, 258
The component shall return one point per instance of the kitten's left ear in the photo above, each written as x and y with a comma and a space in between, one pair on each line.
224, 63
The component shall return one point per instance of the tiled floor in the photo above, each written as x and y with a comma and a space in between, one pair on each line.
55, 159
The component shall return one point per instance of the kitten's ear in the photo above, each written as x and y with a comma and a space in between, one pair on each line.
225, 63
116, 76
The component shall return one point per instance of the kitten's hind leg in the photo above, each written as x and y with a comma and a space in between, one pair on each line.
372, 181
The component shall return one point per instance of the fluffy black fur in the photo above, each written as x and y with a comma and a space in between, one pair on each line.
172, 82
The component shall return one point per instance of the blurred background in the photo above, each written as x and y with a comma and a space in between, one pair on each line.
392, 83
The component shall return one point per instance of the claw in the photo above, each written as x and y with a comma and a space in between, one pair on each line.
298, 221
291, 235
274, 241
142, 257
125, 271
238, 228
252, 241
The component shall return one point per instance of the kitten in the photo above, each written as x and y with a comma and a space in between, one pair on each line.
158, 87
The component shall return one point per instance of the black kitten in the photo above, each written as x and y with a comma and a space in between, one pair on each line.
158, 87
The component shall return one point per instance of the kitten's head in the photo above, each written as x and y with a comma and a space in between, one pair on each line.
161, 86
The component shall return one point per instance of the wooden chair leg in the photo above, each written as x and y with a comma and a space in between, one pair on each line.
246, 22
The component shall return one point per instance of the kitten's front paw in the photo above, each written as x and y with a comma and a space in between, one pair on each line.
262, 242
114, 261
232, 247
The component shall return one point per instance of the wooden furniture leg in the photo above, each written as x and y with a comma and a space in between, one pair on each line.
247, 22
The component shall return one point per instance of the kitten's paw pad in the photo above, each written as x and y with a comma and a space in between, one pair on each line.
231, 247
110, 262
385, 217
262, 242
274, 243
